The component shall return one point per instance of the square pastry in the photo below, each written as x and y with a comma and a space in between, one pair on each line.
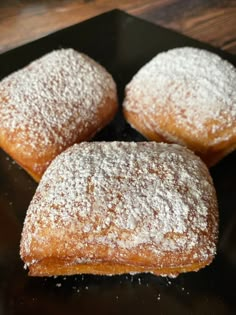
62, 98
117, 207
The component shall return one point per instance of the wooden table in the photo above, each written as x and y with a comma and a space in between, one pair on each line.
211, 21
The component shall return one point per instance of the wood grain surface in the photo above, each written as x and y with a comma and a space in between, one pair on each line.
211, 21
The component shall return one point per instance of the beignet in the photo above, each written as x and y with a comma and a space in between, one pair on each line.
186, 96
118, 207
60, 99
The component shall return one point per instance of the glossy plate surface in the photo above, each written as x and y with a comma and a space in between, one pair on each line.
122, 44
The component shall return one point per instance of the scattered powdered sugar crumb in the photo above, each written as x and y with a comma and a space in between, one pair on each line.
54, 96
194, 86
123, 194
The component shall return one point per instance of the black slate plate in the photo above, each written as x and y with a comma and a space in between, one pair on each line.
122, 44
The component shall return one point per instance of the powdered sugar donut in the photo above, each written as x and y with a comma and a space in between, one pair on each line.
62, 98
186, 96
120, 207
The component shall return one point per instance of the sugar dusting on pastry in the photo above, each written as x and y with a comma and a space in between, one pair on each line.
123, 195
53, 98
195, 86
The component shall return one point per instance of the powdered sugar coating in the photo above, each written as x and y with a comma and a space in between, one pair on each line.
123, 194
52, 100
194, 86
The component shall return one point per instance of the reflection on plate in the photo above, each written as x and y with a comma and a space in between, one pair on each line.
122, 44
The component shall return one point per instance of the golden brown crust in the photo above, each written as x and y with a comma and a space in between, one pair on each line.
49, 267
50, 105
112, 208
210, 154
36, 164
185, 96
